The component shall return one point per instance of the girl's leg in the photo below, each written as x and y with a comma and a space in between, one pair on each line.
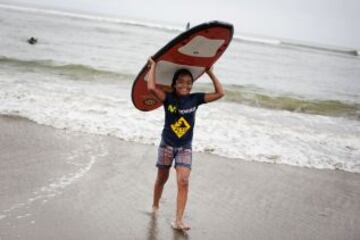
182, 176
162, 177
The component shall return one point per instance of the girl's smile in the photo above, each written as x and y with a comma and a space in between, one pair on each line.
183, 85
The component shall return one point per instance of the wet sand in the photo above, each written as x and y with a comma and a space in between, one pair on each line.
57, 184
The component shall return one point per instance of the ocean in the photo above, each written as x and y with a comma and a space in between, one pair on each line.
286, 103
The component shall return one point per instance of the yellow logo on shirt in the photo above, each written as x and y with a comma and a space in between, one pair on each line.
172, 108
180, 127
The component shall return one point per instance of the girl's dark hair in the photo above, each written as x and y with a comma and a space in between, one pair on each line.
179, 72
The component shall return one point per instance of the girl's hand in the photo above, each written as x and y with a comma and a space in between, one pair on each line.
151, 62
209, 70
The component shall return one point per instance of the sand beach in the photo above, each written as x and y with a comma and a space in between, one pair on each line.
58, 184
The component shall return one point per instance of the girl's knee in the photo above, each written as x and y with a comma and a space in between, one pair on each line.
183, 181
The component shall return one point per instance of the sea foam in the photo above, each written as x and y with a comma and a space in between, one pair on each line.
223, 128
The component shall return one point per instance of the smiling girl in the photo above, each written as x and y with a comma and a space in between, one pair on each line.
176, 141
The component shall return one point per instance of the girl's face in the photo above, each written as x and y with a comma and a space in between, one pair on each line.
183, 85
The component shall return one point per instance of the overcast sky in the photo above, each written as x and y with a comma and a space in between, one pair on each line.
332, 22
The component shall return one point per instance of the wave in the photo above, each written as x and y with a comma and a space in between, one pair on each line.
259, 40
261, 98
296, 45
247, 95
256, 97
351, 52
78, 70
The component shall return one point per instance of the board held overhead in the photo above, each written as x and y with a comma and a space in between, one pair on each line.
196, 49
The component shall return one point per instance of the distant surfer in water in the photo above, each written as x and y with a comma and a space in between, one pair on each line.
32, 40
176, 142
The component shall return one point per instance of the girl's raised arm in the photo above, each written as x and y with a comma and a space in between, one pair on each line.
151, 83
219, 91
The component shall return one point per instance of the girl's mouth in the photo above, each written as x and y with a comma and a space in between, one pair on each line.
183, 90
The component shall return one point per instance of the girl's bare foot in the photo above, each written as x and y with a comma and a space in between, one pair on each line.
180, 226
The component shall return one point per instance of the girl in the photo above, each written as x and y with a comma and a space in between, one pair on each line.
180, 106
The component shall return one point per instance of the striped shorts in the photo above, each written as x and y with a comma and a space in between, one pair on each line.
167, 154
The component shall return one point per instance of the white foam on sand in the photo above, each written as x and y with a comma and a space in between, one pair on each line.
56, 187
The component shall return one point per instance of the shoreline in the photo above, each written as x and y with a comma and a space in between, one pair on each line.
59, 184
210, 152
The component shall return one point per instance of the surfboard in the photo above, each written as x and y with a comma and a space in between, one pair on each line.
196, 49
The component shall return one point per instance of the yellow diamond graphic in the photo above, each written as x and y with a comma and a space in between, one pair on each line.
180, 127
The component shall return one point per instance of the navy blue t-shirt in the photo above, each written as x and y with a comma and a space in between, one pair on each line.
180, 118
